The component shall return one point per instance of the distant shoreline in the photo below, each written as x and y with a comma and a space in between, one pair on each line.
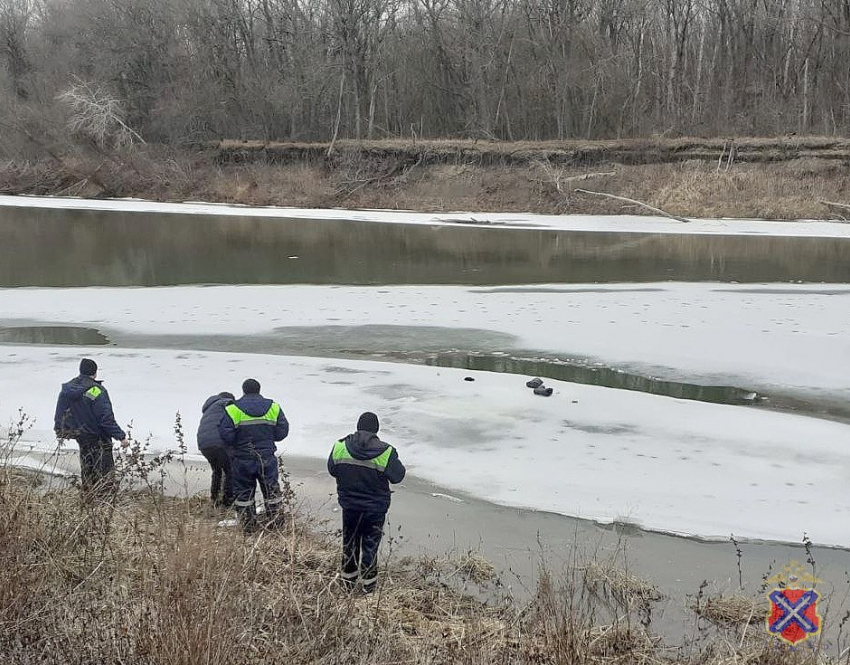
768, 178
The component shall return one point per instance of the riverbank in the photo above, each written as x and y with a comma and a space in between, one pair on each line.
783, 178
507, 558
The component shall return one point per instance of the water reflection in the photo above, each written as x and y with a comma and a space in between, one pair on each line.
44, 247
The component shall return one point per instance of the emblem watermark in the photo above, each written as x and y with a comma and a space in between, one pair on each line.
793, 615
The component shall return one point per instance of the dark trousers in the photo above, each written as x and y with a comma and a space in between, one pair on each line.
361, 538
252, 468
97, 465
221, 488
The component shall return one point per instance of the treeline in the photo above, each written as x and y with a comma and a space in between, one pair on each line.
180, 71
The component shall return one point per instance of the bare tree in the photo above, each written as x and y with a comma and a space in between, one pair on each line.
97, 114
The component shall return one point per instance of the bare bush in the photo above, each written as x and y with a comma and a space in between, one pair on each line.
98, 115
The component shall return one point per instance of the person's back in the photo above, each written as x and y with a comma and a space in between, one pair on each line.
84, 408
212, 446
253, 424
84, 413
250, 428
364, 466
212, 413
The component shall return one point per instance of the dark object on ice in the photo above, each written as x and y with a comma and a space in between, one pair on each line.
575, 401
534, 383
468, 378
543, 390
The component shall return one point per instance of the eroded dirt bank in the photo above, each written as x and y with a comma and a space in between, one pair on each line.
788, 178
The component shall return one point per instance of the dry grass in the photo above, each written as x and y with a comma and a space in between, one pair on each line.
625, 587
772, 178
150, 579
732, 610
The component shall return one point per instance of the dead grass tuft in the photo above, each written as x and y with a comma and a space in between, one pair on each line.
732, 610
622, 585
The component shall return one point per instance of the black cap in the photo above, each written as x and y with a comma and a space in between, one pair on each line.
368, 422
88, 367
227, 395
251, 387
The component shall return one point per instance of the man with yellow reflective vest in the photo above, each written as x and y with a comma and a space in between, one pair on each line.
84, 413
250, 427
364, 466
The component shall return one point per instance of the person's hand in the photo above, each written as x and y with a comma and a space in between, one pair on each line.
125, 442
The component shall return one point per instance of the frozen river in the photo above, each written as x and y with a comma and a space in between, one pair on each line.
719, 408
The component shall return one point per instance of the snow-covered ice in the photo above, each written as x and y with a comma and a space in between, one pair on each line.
777, 336
607, 223
35, 464
598, 453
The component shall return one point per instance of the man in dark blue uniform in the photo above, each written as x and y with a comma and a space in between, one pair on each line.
364, 466
250, 427
84, 413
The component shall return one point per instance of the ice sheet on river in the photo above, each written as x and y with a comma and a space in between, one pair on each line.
598, 453
788, 336
607, 223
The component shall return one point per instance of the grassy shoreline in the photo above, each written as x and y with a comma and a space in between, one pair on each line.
150, 578
765, 178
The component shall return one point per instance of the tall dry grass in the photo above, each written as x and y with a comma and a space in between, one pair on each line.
147, 578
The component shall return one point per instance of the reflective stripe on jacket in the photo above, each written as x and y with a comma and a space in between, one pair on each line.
364, 466
253, 423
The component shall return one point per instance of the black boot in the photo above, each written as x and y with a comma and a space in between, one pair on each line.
247, 518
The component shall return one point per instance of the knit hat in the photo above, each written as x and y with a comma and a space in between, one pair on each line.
368, 422
227, 395
88, 367
251, 387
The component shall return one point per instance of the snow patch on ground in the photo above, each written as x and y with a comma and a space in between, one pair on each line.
36, 464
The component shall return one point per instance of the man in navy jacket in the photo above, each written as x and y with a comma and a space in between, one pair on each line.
84, 413
364, 466
250, 427
213, 448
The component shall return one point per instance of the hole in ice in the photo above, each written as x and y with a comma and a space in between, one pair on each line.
73, 335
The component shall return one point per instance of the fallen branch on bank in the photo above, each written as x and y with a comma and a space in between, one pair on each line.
588, 176
557, 177
633, 202
845, 206
840, 206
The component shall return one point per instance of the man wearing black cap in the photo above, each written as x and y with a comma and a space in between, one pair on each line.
84, 413
364, 466
250, 427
